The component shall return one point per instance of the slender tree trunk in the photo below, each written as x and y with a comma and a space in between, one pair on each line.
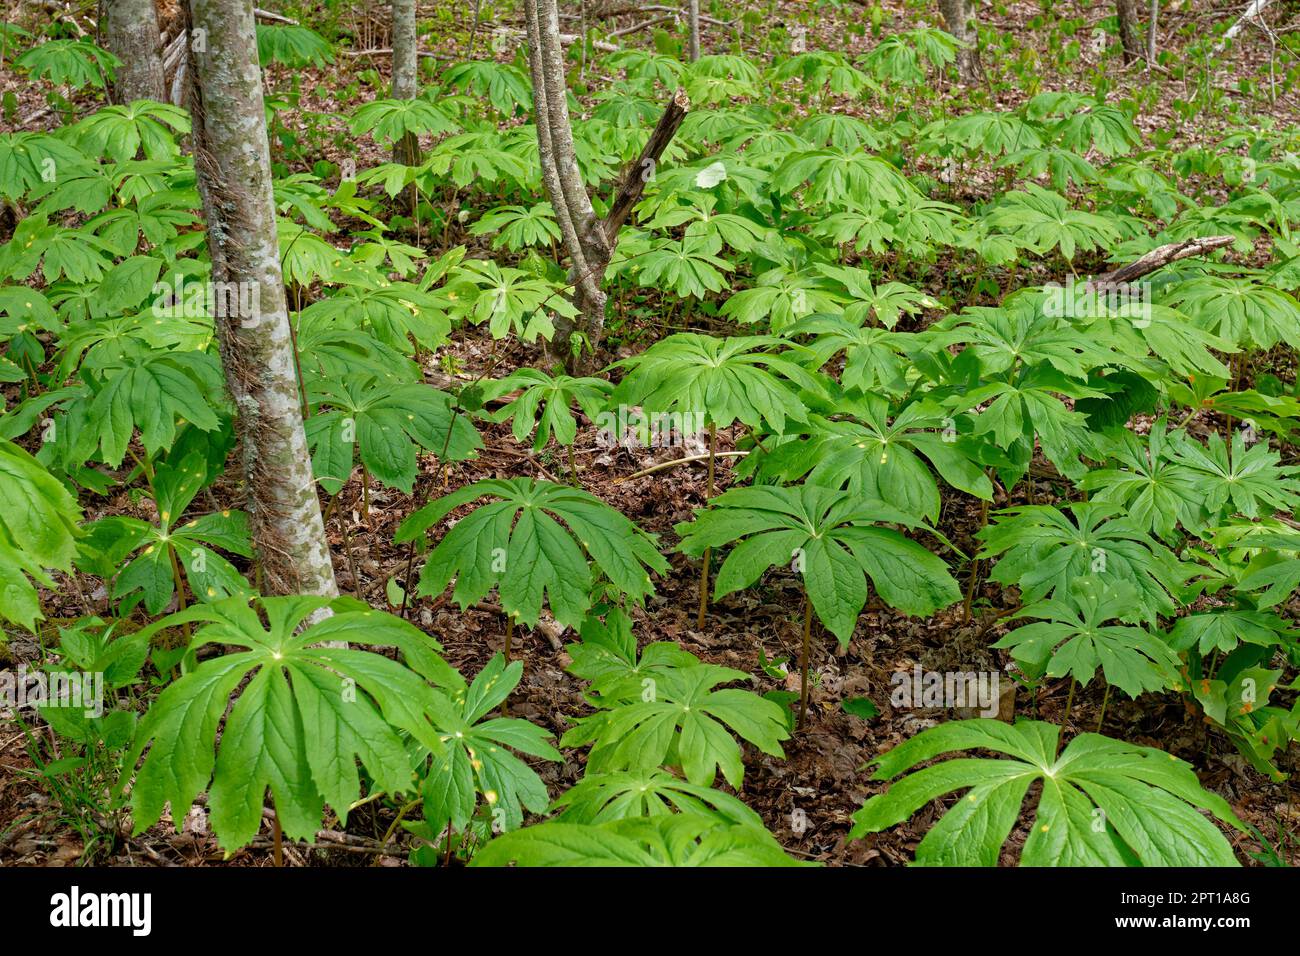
693, 16
131, 35
959, 20
1128, 30
406, 80
1152, 24
589, 241
233, 164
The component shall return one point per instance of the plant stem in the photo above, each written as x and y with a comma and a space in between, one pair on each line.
392, 827
352, 560
803, 659
1104, 701
665, 465
510, 633
974, 567
704, 568
278, 837
297, 366
180, 583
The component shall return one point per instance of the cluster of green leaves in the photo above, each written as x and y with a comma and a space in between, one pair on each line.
1103, 802
663, 707
517, 545
662, 730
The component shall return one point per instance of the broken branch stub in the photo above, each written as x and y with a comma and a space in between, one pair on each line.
1160, 257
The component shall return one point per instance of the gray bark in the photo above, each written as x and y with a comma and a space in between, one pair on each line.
1128, 29
1152, 25
406, 80
233, 163
560, 173
959, 20
131, 35
1160, 257
588, 240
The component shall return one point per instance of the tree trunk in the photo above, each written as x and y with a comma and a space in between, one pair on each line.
131, 34
588, 241
1152, 24
1128, 30
959, 20
233, 164
693, 16
406, 81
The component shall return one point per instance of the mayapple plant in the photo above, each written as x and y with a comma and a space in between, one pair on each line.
1103, 802
517, 544
835, 541
301, 715
733, 379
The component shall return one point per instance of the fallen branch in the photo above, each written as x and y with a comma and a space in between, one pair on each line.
675, 13
388, 51
566, 39
665, 465
274, 17
1160, 257
638, 27
634, 8
1252, 12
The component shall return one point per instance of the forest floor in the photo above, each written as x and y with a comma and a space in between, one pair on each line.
823, 774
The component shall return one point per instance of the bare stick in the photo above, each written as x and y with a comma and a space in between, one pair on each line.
665, 465
1160, 257
642, 171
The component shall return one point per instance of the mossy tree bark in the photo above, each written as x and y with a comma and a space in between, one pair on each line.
131, 34
1129, 36
233, 163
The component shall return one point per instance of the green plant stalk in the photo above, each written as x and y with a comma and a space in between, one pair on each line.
510, 633
352, 561
179, 582
704, 568
804, 653
392, 827
1101, 721
147, 468
297, 360
974, 568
